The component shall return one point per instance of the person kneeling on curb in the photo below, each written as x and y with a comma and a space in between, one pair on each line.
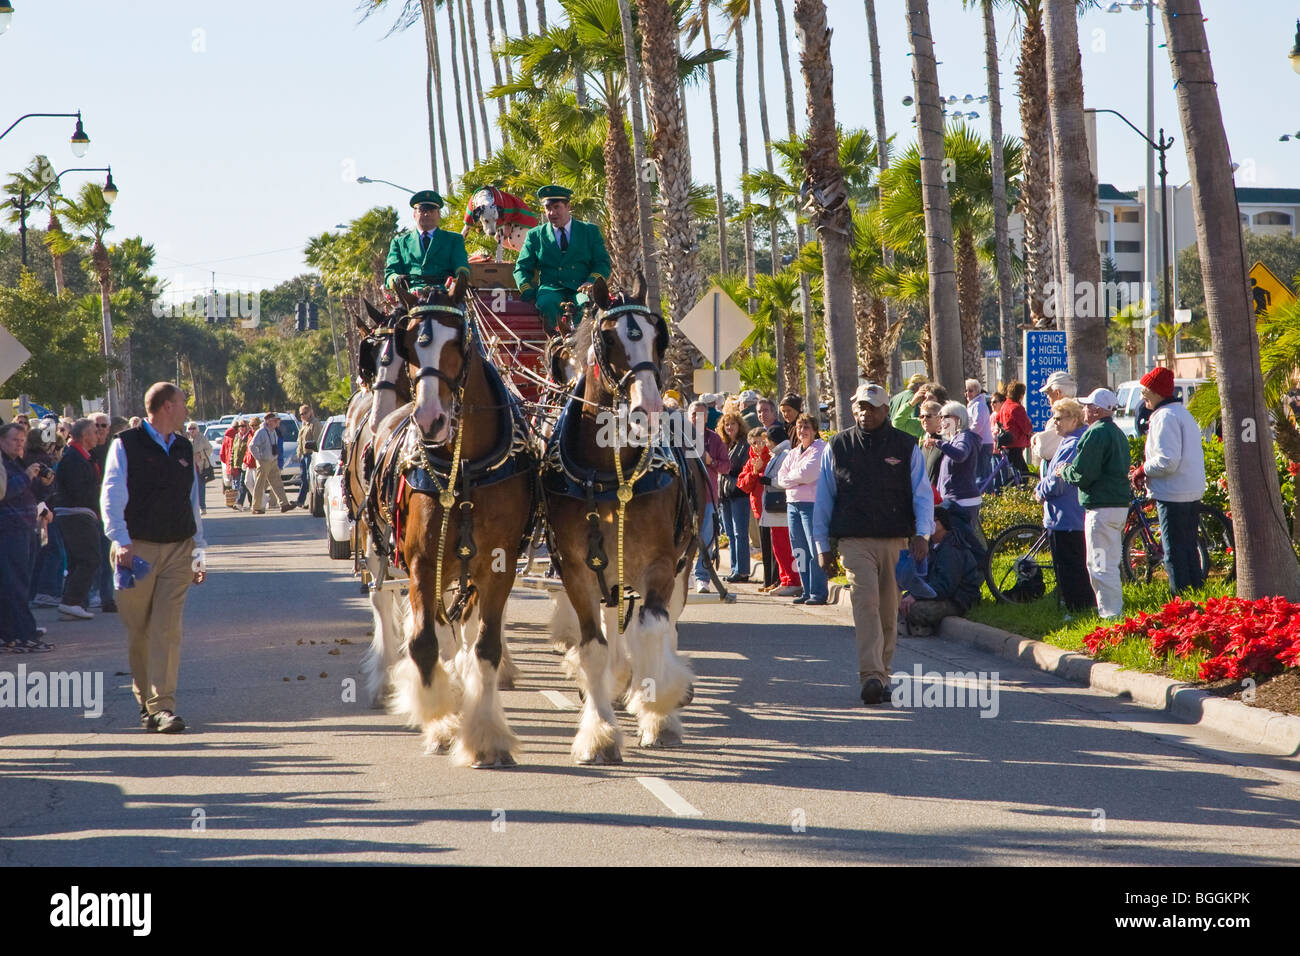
953, 575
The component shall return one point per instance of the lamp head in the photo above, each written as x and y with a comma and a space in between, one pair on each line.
1295, 50
110, 190
80, 141
6, 15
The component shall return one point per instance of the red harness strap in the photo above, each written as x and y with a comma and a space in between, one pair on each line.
397, 524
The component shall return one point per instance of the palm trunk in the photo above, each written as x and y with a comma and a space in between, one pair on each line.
717, 147
478, 81
620, 182
505, 32
783, 355
831, 218
1266, 563
469, 79
435, 59
56, 259
882, 160
1076, 212
1002, 242
645, 222
113, 393
968, 303
496, 60
738, 30
455, 82
541, 16
433, 126
673, 162
1035, 190
801, 234
523, 18
945, 320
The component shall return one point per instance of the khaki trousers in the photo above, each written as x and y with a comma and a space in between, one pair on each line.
268, 474
869, 564
151, 612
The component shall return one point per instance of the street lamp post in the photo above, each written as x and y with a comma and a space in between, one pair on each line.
1160, 146
79, 140
24, 202
367, 179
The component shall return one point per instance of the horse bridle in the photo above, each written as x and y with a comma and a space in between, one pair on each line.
422, 318
387, 350
618, 384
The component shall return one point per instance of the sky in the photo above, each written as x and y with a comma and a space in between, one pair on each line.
236, 130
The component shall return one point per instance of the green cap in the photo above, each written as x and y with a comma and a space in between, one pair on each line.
554, 192
426, 195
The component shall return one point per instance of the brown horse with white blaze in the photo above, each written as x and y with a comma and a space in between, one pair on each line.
457, 479
621, 515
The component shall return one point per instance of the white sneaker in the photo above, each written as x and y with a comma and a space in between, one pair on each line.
787, 590
702, 588
73, 611
45, 600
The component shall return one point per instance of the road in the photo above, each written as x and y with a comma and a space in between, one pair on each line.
782, 764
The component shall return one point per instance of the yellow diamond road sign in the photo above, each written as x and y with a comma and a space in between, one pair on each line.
1266, 290
716, 326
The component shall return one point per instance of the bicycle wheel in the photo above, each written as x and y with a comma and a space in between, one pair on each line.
1142, 559
1218, 553
1020, 566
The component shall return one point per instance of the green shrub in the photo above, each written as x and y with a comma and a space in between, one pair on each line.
1014, 505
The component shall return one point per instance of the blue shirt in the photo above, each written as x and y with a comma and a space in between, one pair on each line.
113, 496
827, 487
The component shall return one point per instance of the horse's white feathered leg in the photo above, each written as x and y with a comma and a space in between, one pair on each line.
661, 678
598, 739
389, 640
485, 738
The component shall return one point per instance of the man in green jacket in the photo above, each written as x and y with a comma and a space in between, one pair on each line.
560, 258
903, 413
426, 251
1100, 470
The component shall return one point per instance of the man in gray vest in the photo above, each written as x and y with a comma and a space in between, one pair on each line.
150, 503
873, 501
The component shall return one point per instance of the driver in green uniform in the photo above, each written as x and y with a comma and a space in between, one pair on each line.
427, 251
559, 258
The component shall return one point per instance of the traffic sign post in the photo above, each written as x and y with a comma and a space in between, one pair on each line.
716, 326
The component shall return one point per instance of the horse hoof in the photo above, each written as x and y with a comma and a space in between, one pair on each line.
493, 761
666, 739
605, 757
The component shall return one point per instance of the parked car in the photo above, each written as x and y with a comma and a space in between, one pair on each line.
324, 463
1130, 400
338, 526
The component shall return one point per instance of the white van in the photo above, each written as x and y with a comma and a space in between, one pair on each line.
1130, 400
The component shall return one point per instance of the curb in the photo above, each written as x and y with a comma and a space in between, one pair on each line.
1278, 733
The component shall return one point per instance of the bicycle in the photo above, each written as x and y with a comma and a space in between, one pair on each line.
1020, 567
1002, 474
1144, 554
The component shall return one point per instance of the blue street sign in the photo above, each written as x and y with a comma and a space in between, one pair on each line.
1044, 354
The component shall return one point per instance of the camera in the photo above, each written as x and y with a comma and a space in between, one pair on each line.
46, 472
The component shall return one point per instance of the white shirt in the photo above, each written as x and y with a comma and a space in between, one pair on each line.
113, 494
1175, 461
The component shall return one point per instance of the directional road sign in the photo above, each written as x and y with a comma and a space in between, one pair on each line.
12, 354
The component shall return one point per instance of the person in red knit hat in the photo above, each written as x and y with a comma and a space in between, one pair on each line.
1173, 469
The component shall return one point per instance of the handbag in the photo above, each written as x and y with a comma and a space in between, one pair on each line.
774, 502
207, 474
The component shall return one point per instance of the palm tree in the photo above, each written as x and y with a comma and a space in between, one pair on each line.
1266, 563
882, 157
737, 11
777, 296
455, 83
478, 81
801, 237
945, 321
88, 217
35, 179
659, 31
1036, 191
1006, 307
469, 84
970, 191
541, 16
1076, 210
723, 265
492, 51
649, 256
828, 200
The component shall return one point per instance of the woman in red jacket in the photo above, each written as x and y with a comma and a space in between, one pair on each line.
1016, 427
778, 560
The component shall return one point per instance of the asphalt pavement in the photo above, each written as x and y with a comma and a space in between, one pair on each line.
781, 763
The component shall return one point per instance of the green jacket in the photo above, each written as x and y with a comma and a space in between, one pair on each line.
905, 416
444, 258
541, 264
1100, 467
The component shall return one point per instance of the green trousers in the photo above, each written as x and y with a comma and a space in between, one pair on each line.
550, 302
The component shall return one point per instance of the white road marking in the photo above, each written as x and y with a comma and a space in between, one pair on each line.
716, 656
668, 796
559, 700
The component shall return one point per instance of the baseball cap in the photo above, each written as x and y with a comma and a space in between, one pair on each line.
917, 379
1101, 397
1056, 379
748, 395
872, 394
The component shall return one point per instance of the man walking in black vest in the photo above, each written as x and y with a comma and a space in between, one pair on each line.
150, 503
873, 500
